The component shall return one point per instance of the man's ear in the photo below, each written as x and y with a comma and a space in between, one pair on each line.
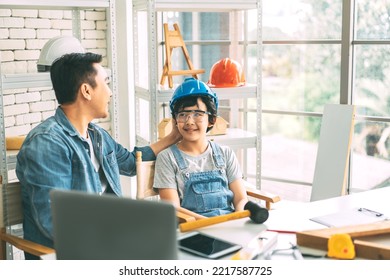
86, 91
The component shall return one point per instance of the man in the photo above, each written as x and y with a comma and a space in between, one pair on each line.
67, 151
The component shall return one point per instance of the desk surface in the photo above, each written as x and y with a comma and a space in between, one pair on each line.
295, 216
289, 216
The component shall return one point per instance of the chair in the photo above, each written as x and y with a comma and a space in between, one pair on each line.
145, 177
11, 214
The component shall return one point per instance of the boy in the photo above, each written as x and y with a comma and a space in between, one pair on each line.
198, 176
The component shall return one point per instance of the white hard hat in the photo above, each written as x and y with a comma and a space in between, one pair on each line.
55, 48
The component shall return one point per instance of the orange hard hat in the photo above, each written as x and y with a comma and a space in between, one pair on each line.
226, 73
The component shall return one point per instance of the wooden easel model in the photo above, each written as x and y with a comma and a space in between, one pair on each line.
173, 39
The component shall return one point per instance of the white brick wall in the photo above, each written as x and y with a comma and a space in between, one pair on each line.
28, 97
4, 33
23, 33
24, 13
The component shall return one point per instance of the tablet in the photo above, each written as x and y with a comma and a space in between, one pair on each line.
206, 246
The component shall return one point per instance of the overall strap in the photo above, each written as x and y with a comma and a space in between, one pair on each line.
179, 158
217, 154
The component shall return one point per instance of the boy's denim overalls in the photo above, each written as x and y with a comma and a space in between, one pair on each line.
206, 193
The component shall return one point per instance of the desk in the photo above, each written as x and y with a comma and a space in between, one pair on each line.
292, 216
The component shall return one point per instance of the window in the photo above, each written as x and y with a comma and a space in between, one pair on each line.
301, 73
302, 70
310, 58
370, 166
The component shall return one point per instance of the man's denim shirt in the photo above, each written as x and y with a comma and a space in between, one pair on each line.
55, 156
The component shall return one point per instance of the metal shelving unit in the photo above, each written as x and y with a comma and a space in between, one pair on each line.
154, 95
31, 80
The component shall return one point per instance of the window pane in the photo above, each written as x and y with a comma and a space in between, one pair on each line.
300, 77
204, 26
372, 80
301, 19
292, 192
289, 147
370, 160
373, 19
207, 38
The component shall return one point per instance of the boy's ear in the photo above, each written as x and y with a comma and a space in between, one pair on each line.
212, 120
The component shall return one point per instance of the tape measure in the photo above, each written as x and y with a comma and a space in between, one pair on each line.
340, 246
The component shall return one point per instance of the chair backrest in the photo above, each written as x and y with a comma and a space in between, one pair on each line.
145, 177
11, 212
334, 147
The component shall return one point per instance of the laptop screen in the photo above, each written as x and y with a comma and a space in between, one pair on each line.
90, 227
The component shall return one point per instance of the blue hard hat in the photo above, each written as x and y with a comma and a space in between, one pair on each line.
192, 87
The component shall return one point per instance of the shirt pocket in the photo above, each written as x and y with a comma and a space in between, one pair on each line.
111, 159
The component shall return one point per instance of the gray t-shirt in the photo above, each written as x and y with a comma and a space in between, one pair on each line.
168, 175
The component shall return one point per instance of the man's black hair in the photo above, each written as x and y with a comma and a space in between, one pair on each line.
70, 71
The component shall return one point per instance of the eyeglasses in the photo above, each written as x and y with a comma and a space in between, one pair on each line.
196, 115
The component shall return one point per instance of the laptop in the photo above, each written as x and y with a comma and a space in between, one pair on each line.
93, 227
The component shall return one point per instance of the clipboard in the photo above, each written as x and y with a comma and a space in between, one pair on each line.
350, 217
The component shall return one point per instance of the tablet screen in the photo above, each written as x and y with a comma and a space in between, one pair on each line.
206, 246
